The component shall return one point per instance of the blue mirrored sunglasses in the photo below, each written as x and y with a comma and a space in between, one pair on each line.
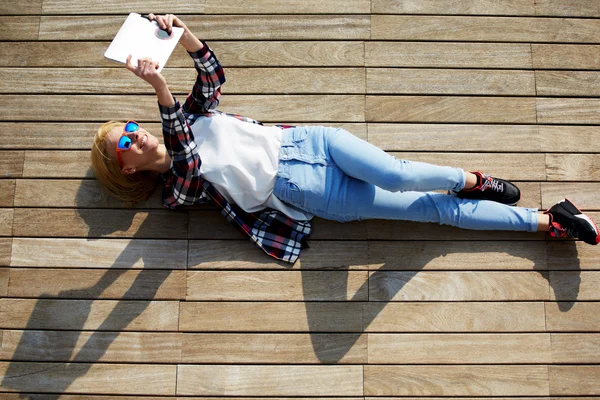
125, 142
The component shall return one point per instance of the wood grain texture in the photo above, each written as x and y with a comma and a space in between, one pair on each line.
502, 110
454, 317
295, 108
568, 111
4, 274
459, 348
572, 255
572, 317
575, 348
468, 380
102, 315
119, 7
458, 286
21, 7
573, 167
270, 317
7, 192
292, 7
5, 250
11, 163
97, 284
100, 253
155, 224
6, 221
468, 7
576, 8
277, 286
447, 55
64, 346
575, 139
70, 193
584, 195
450, 82
274, 348
573, 285
88, 378
450, 137
57, 164
565, 56
567, 83
574, 380
218, 27
242, 380
483, 29
19, 28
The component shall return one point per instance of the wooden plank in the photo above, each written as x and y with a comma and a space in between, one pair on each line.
102, 315
573, 167
528, 348
11, 164
295, 7
574, 285
575, 348
454, 380
502, 110
77, 193
277, 286
568, 111
584, 195
509, 166
447, 55
446, 137
126, 347
442, 317
19, 28
57, 164
88, 378
6, 221
572, 255
21, 7
457, 286
450, 82
270, 317
155, 224
118, 7
218, 27
101, 253
574, 8
7, 192
97, 284
567, 83
230, 54
565, 56
4, 273
484, 29
295, 108
575, 380
241, 80
454, 255
573, 139
571, 317
5, 250
274, 348
244, 380
468, 7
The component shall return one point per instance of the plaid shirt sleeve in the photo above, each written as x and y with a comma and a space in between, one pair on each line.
207, 90
184, 186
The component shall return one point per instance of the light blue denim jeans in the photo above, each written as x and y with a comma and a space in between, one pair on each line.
332, 174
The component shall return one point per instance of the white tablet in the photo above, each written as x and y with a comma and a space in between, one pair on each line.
143, 38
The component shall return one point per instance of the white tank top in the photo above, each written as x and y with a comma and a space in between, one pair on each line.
240, 159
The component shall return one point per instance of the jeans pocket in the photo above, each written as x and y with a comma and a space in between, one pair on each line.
289, 192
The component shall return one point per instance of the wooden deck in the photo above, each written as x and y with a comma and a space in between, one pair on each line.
99, 301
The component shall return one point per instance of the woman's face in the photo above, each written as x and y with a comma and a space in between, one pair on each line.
142, 153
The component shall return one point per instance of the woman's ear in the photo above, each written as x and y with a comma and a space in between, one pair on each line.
128, 170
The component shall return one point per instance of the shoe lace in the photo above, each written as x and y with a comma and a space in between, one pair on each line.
558, 231
492, 184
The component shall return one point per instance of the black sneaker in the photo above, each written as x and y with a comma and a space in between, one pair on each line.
494, 189
568, 221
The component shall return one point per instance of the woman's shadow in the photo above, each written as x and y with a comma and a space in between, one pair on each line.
45, 339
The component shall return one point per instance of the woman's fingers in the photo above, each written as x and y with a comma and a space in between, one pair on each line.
129, 64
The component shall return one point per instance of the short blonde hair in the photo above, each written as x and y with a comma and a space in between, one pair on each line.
128, 188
